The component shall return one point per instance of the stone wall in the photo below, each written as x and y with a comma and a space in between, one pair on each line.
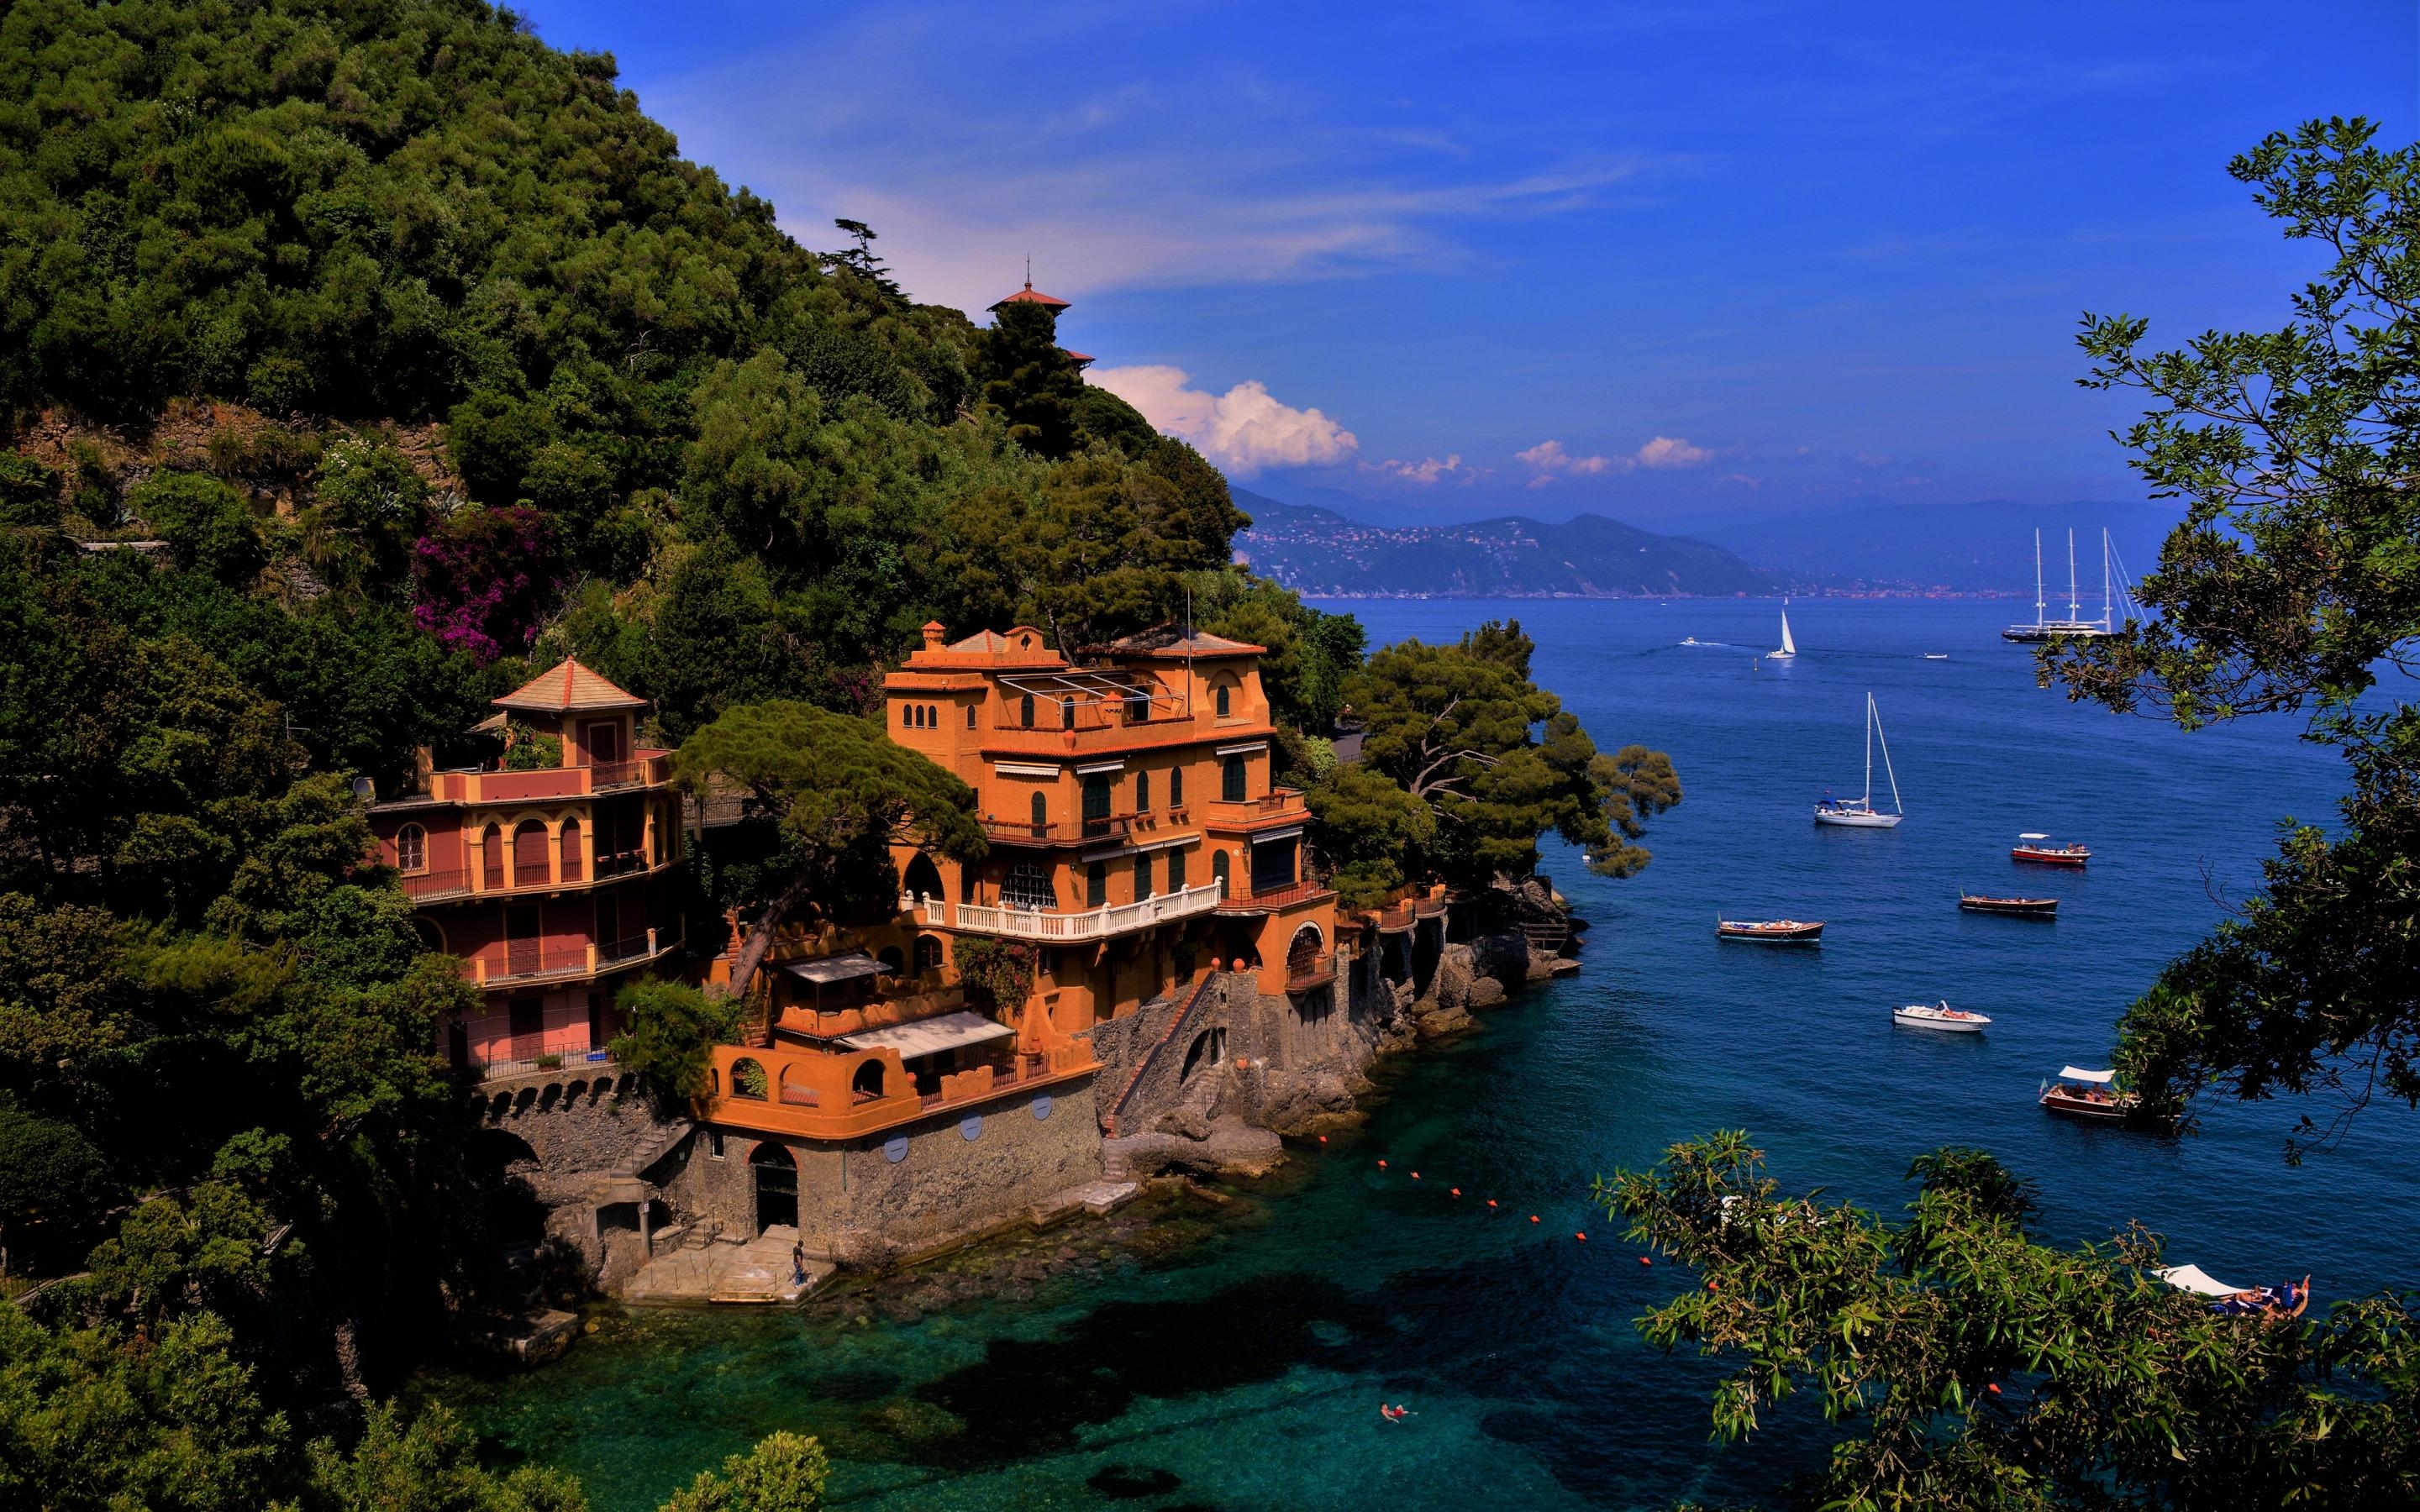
954, 1175
576, 1138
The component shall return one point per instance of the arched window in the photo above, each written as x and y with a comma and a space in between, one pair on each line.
971, 717
892, 962
932, 717
1041, 814
928, 953
529, 856
573, 867
1225, 697
1025, 711
412, 849
867, 1084
1066, 714
923, 879
1232, 779
1176, 870
906, 717
491, 858
1028, 885
1143, 792
1218, 872
1096, 885
1176, 787
795, 1089
1209, 1047
1143, 876
747, 1080
1302, 955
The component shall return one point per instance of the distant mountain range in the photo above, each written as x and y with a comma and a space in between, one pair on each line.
1860, 548
1320, 552
1981, 547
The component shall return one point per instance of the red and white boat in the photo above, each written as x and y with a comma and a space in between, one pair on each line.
1771, 931
2088, 1094
2039, 849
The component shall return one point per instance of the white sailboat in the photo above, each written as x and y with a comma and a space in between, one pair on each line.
1789, 647
1860, 814
2113, 591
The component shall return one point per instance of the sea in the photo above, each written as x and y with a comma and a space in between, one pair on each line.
1239, 1362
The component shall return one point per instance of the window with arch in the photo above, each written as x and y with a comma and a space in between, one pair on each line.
1176, 870
932, 717
574, 867
928, 953
894, 963
1041, 814
1096, 885
1066, 714
1025, 711
1223, 697
1143, 876
906, 717
867, 1084
1143, 792
1027, 885
1176, 787
491, 858
747, 1079
971, 717
1231, 780
1218, 872
412, 849
530, 868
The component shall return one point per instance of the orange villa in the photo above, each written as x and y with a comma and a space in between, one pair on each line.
1139, 843
549, 882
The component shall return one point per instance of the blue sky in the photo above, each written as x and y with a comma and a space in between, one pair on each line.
1666, 262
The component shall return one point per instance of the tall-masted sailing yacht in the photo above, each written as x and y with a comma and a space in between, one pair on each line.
2075, 626
1860, 814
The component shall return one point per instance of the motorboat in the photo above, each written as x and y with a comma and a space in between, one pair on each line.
2023, 907
1771, 931
2079, 1093
2042, 851
1939, 1016
2287, 1299
1860, 814
1937, 656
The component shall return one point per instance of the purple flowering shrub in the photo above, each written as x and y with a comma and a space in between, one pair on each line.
482, 581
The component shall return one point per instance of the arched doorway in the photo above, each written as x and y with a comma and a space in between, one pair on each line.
867, 1083
777, 1187
529, 856
1209, 1047
1219, 873
1302, 954
923, 878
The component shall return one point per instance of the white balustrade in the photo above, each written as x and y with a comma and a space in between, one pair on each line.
1047, 924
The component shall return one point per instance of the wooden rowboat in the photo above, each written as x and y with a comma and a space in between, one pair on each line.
1771, 931
2088, 1094
2024, 907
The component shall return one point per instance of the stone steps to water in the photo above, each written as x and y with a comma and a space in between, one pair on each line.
762, 1272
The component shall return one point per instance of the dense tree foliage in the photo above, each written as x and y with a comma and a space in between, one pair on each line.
836, 793
1496, 759
2292, 585
1982, 1368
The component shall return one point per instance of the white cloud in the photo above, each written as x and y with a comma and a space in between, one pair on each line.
1427, 470
1244, 430
1672, 452
1548, 460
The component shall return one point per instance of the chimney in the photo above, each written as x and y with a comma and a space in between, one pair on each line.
934, 635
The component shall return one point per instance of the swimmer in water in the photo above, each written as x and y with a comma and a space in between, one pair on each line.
1393, 1415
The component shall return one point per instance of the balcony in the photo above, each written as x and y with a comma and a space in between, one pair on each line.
1061, 832
817, 1095
1282, 806
1065, 928
1277, 900
447, 884
1307, 973
525, 962
647, 769
564, 1050
1093, 727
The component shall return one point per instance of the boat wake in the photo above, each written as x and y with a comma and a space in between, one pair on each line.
1696, 644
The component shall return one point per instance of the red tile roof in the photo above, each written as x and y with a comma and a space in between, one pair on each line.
1029, 295
563, 688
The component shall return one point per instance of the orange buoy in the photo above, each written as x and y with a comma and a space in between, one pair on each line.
1323, 1139
1416, 1175
1382, 1166
1491, 1202
1644, 1260
1582, 1238
1534, 1217
1993, 1387
1713, 1285
1457, 1191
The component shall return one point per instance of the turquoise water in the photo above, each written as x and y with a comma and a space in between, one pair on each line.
1234, 1357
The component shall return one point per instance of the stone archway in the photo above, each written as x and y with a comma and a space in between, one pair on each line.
777, 1187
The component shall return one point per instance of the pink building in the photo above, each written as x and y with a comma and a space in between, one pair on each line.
547, 872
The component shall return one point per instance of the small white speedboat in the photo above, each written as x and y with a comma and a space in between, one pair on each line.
1939, 1016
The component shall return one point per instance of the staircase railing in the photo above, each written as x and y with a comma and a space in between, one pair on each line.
1112, 1124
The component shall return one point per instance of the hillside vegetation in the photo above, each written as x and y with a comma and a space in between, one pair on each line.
356, 359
